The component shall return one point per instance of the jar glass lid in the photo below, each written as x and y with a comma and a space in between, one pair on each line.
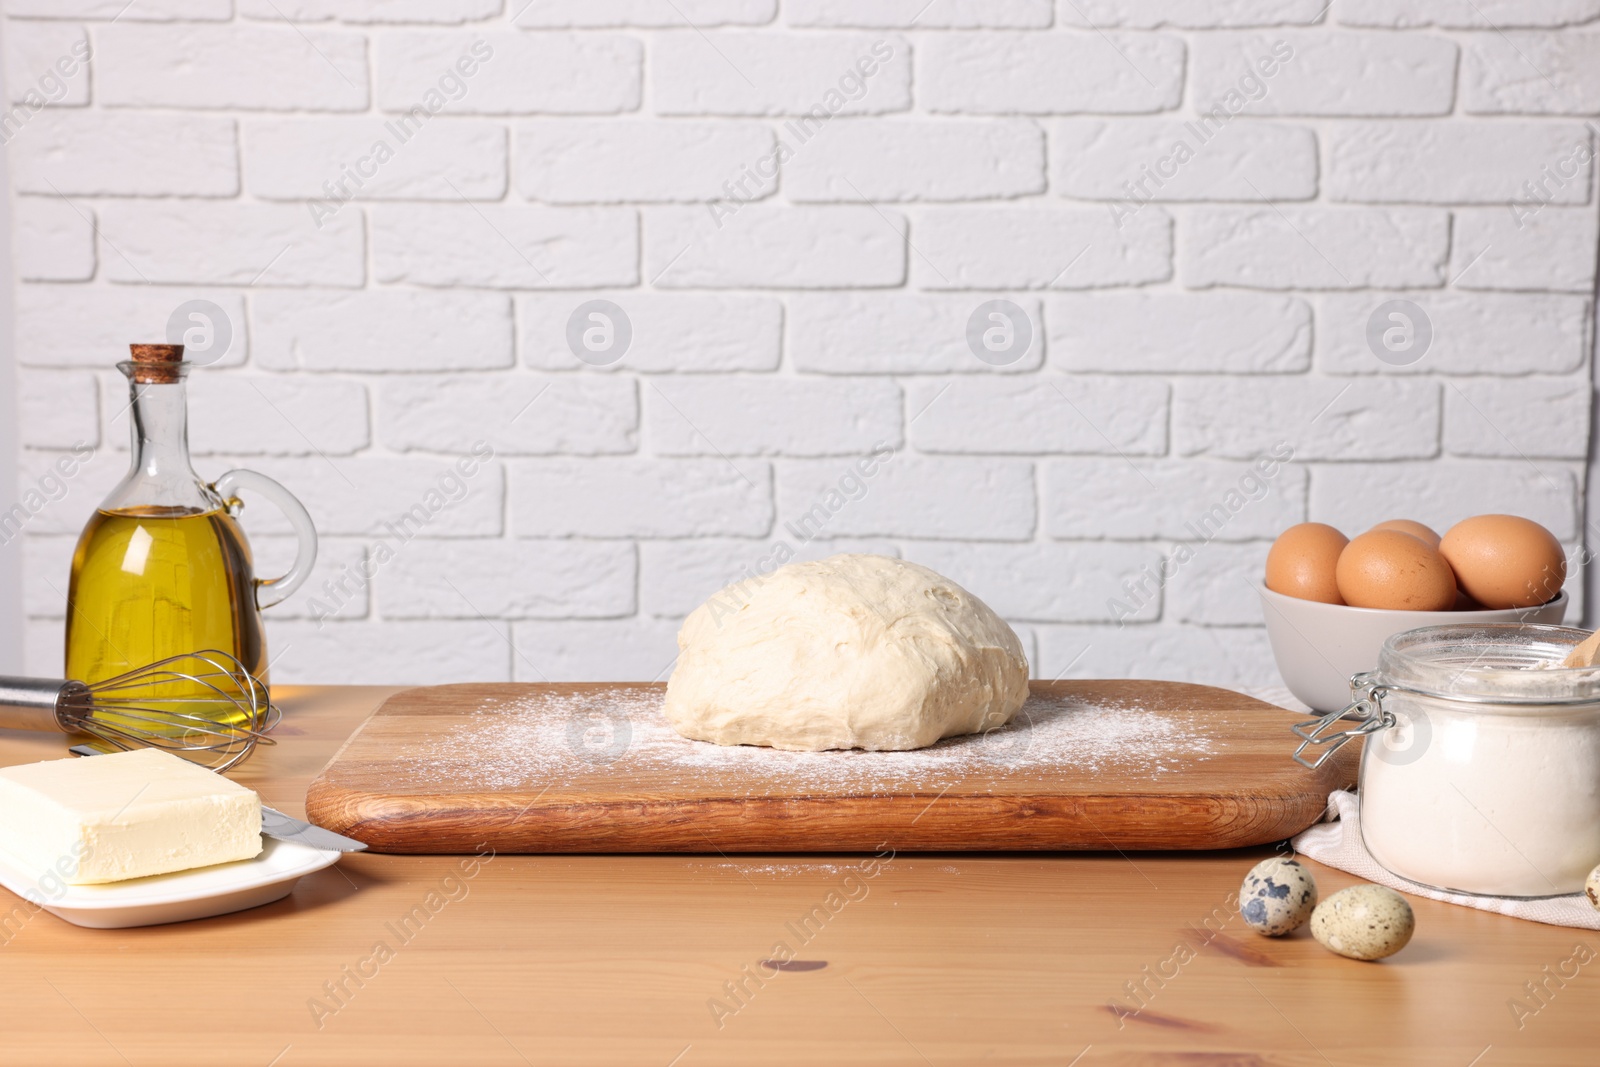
1502, 663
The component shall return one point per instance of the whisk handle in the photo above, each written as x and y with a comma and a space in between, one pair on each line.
38, 703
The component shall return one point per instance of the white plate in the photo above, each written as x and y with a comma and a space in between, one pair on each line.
176, 897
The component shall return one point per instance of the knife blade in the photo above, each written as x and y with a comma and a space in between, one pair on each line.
277, 825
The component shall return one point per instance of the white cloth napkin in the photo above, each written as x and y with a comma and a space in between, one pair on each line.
1337, 842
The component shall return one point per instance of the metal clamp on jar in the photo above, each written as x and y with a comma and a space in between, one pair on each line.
1481, 771
1367, 709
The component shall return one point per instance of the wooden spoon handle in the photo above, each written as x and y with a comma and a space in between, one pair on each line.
1585, 654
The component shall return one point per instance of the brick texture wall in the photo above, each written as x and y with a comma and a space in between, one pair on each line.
1079, 303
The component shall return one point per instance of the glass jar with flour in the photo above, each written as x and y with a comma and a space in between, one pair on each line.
1481, 772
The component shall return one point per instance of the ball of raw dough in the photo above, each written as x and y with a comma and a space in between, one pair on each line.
853, 651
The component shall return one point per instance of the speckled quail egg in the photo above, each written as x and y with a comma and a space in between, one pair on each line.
1591, 888
1277, 896
1364, 922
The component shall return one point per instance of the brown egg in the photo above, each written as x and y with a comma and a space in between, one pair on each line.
1422, 533
1301, 562
1390, 569
1503, 561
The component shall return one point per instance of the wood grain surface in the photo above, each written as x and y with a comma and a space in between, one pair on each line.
594, 768
1066, 959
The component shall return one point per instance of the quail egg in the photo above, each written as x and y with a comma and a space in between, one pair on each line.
1591, 888
1364, 922
1277, 896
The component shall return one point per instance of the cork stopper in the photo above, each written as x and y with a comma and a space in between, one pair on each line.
157, 363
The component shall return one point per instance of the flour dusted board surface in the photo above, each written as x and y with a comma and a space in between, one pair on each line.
595, 768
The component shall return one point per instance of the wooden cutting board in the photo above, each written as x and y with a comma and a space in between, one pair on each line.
595, 768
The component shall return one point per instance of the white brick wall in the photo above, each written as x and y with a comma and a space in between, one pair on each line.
949, 14
45, 64
935, 160
741, 73
558, 13
53, 240
1316, 248
1364, 419
405, 211
774, 247
207, 242
643, 498
520, 416
577, 161
892, 333
295, 158
516, 73
381, 330
1023, 414
1453, 162
1049, 73
708, 416
1328, 72
1553, 250
512, 579
286, 70
673, 333
1467, 14
1043, 247
1494, 76
1225, 332
90, 152
1091, 160
502, 247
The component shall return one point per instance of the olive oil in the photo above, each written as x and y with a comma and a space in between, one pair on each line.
150, 582
162, 570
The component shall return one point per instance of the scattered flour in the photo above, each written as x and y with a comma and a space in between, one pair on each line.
562, 740
778, 870
795, 870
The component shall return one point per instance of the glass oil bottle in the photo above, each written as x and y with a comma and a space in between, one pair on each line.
162, 568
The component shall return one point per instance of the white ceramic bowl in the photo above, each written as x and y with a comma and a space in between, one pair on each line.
1319, 646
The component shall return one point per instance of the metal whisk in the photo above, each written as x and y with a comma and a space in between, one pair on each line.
205, 706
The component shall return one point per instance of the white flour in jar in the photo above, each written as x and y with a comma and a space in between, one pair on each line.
1488, 798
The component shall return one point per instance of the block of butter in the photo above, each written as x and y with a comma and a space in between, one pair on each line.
124, 815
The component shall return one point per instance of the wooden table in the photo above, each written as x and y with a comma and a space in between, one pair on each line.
624, 960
